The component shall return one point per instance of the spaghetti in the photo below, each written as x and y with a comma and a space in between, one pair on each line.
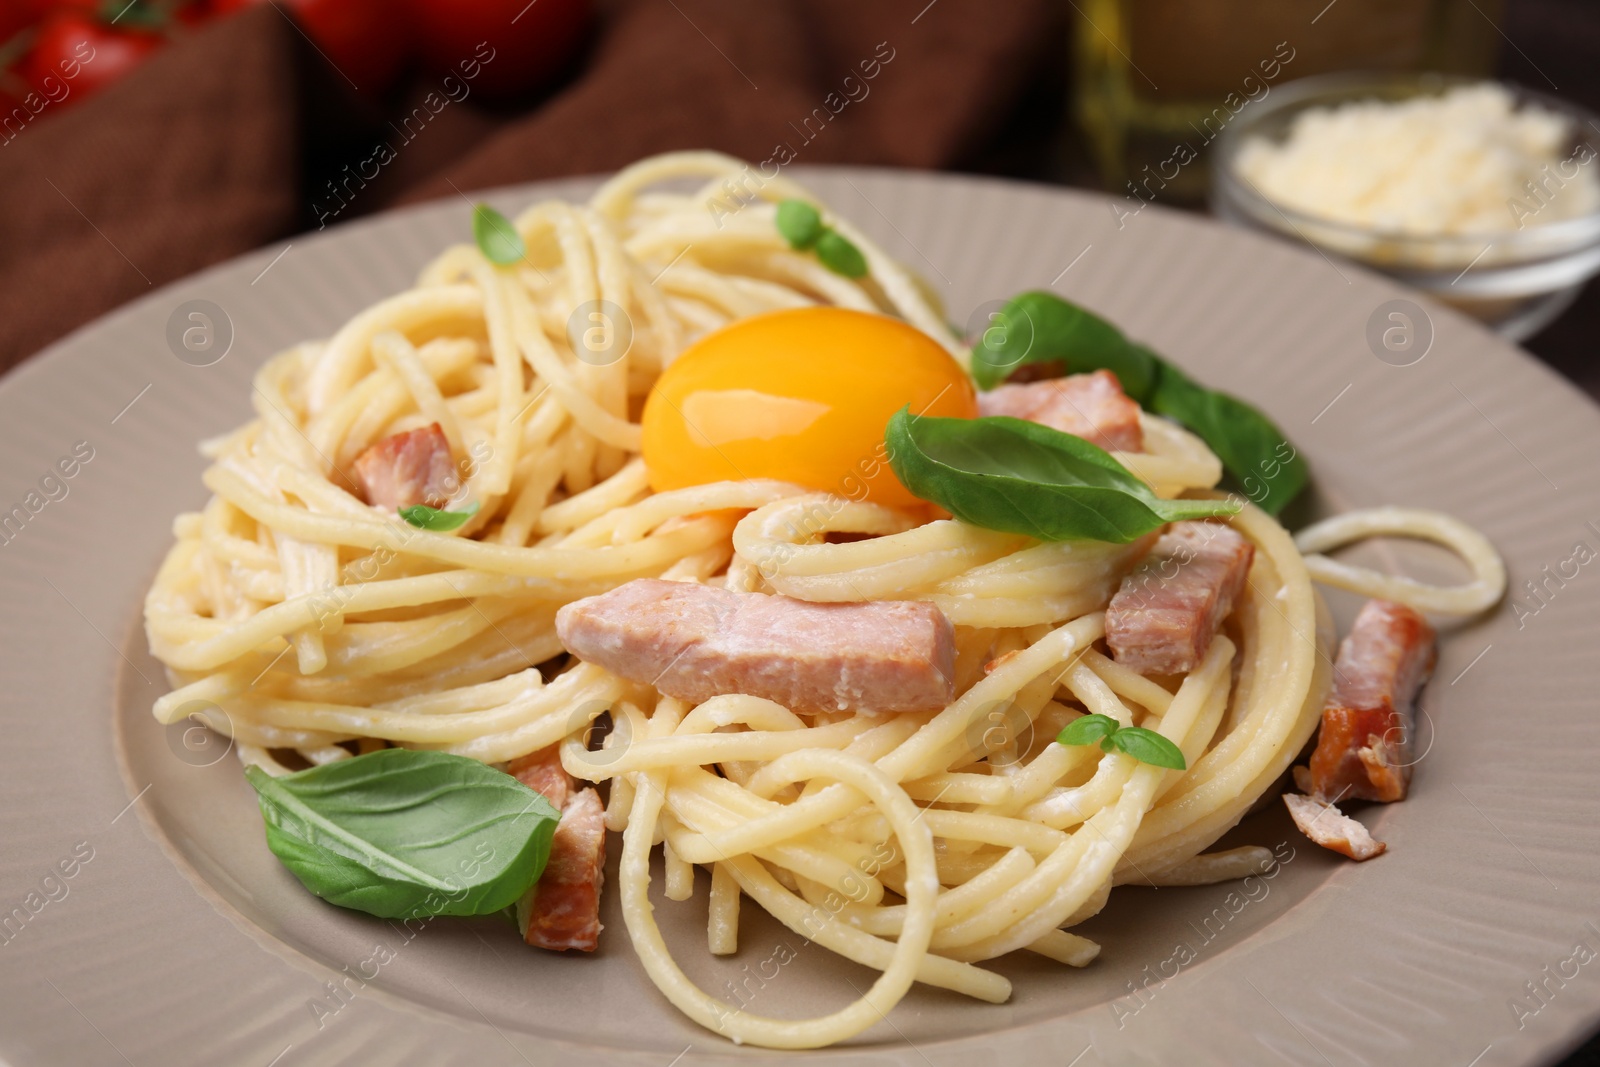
920, 844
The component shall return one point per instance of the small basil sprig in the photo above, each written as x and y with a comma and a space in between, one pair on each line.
400, 833
1007, 474
1146, 746
425, 518
1040, 327
801, 225
497, 238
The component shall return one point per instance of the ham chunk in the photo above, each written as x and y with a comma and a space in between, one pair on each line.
1165, 613
562, 910
1365, 747
695, 642
542, 772
1090, 406
1331, 828
407, 469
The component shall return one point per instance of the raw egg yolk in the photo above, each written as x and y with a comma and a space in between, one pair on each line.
802, 396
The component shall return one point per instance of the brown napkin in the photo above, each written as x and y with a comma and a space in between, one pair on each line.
192, 159
201, 154
752, 79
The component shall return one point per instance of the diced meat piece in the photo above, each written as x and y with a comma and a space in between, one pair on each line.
1037, 372
1331, 828
1090, 406
407, 469
1165, 613
542, 772
1366, 746
562, 910
695, 642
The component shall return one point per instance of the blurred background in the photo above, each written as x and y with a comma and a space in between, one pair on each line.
142, 140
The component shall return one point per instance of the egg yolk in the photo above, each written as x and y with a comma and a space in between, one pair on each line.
802, 396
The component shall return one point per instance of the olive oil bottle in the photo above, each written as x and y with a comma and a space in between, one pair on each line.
1156, 80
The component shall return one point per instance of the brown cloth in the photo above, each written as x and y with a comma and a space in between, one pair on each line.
201, 154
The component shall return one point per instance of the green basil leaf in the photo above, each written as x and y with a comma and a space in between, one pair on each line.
1254, 451
839, 255
1007, 474
497, 238
799, 223
1040, 327
425, 518
1146, 746
400, 833
1087, 730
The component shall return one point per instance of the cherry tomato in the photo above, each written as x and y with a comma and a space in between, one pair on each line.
75, 56
365, 40
15, 16
509, 46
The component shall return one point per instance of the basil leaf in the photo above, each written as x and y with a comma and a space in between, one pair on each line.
799, 223
839, 255
425, 518
1007, 474
497, 238
1146, 746
399, 833
1040, 327
1251, 448
1087, 730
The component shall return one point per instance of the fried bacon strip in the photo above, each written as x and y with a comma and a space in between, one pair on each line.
562, 910
407, 469
1331, 828
1366, 746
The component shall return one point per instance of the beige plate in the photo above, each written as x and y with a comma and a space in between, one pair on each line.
182, 941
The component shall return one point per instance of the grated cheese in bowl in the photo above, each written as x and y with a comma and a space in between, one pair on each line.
1466, 162
1483, 195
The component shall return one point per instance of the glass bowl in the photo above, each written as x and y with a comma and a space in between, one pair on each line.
1515, 281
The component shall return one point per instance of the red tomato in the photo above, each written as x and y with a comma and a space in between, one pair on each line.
75, 56
363, 39
15, 16
513, 46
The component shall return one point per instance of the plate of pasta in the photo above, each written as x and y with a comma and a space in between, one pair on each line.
710, 612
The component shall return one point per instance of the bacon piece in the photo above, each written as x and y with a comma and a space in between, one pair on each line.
1090, 406
562, 910
542, 772
1331, 828
1166, 611
1365, 747
694, 642
406, 469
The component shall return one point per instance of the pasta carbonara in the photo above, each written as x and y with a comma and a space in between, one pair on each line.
920, 843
